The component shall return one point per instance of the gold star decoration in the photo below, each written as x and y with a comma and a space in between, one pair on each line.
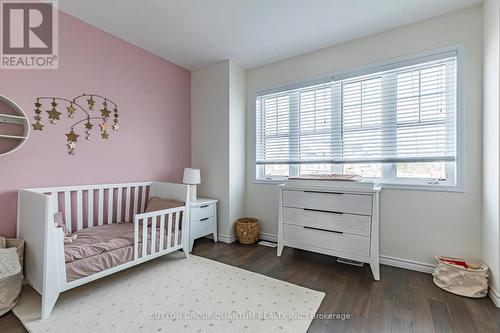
72, 106
104, 130
72, 136
71, 148
37, 126
91, 103
71, 110
105, 112
104, 127
53, 115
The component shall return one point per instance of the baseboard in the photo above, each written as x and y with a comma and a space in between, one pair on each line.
232, 238
224, 238
408, 264
495, 296
269, 237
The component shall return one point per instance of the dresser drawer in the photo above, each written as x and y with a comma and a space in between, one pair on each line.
347, 243
343, 222
202, 227
333, 202
203, 211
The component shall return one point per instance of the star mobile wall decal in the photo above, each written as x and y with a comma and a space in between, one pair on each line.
91, 116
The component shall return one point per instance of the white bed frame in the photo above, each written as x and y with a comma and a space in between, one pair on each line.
88, 206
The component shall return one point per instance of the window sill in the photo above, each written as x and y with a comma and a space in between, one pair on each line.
422, 187
269, 181
391, 186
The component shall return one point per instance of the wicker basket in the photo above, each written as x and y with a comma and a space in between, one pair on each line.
247, 230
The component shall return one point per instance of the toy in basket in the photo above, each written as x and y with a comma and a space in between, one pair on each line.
461, 276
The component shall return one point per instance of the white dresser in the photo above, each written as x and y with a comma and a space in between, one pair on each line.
330, 217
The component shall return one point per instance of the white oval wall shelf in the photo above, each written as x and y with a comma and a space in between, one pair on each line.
14, 126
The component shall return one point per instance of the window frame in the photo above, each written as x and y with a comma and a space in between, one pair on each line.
389, 179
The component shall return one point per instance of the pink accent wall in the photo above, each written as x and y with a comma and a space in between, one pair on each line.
153, 97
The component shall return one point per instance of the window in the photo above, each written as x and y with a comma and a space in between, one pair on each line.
395, 123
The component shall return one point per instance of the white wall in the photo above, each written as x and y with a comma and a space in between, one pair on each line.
415, 225
491, 147
210, 134
218, 139
237, 137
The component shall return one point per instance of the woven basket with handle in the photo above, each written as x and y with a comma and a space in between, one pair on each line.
247, 230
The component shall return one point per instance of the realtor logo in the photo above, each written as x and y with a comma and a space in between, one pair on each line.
29, 35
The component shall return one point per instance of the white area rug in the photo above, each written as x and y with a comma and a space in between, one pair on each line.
173, 294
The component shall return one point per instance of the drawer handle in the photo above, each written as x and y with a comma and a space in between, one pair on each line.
323, 211
338, 193
335, 232
206, 218
204, 206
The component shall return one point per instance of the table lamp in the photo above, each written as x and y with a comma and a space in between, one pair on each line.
192, 178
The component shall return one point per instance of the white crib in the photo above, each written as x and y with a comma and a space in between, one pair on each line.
88, 206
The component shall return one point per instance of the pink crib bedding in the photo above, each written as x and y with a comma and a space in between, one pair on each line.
100, 248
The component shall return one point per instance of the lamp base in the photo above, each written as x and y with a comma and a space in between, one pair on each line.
192, 193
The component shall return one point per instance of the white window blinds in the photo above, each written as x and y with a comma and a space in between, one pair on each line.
404, 113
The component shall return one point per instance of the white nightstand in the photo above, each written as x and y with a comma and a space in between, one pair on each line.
203, 220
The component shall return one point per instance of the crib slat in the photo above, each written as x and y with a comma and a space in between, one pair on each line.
110, 205
153, 235
100, 215
127, 205
67, 210
162, 232
119, 205
144, 236
90, 208
176, 234
136, 200
169, 231
136, 239
79, 210
55, 201
143, 199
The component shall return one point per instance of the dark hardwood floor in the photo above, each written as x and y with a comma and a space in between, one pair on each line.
403, 301
10, 324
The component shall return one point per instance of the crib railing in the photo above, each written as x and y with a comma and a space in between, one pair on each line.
94, 205
168, 223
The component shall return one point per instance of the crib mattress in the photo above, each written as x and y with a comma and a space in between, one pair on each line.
102, 247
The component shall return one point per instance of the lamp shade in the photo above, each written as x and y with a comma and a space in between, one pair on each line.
191, 176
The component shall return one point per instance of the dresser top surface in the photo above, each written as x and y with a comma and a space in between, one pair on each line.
203, 201
333, 186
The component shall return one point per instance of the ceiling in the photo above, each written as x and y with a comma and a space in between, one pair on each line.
195, 33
